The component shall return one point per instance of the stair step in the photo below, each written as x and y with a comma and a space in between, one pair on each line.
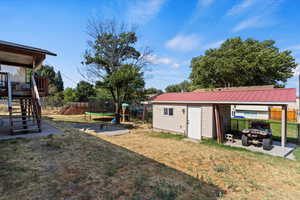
19, 121
21, 126
25, 130
20, 116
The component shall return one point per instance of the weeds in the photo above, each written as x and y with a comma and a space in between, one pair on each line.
140, 182
167, 135
166, 191
220, 168
297, 153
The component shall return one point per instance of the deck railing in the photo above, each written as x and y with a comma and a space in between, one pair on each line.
42, 85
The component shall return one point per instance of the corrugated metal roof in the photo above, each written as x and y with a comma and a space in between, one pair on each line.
24, 47
276, 95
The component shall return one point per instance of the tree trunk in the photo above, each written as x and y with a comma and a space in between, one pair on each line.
117, 106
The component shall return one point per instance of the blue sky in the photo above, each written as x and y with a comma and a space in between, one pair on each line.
176, 30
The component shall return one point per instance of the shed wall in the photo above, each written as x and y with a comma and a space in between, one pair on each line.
176, 123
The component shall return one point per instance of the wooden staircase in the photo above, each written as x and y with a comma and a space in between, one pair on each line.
24, 111
24, 116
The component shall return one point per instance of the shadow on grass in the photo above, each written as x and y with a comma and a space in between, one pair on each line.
87, 167
89, 123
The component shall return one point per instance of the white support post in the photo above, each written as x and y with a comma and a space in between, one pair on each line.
283, 125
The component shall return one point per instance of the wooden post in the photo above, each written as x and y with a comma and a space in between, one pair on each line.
218, 124
124, 110
144, 112
283, 125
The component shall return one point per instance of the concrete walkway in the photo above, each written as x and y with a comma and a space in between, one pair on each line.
277, 150
47, 129
108, 130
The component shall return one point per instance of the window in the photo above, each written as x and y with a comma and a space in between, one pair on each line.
171, 111
168, 111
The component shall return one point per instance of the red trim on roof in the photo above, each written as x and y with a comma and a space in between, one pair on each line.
262, 95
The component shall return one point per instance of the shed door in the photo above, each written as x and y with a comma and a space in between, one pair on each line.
194, 122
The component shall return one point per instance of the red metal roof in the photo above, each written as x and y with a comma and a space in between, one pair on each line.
276, 95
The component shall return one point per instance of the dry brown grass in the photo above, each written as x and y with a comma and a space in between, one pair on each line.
139, 165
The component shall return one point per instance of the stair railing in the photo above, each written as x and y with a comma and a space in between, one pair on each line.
36, 102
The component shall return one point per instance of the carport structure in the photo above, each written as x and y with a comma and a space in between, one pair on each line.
213, 117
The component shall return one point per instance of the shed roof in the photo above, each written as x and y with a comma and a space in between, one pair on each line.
276, 96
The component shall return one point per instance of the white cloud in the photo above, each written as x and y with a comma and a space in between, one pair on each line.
144, 10
242, 6
184, 42
205, 3
294, 48
260, 13
154, 59
213, 45
252, 22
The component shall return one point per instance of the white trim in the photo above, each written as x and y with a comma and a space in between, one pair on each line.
226, 102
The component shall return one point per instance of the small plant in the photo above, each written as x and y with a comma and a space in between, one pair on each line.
219, 168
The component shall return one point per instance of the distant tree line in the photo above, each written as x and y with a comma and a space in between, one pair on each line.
239, 62
116, 66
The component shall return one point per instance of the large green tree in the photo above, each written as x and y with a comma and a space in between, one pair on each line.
153, 91
59, 82
241, 62
70, 95
84, 91
56, 83
184, 86
113, 60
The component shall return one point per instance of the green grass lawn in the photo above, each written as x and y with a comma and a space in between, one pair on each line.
292, 127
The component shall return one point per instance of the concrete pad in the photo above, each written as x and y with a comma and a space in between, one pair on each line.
47, 129
108, 130
277, 150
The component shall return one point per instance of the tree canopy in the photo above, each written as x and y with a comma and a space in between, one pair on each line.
184, 86
70, 95
56, 83
153, 91
84, 90
243, 63
113, 60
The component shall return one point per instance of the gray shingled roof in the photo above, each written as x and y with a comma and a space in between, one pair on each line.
24, 47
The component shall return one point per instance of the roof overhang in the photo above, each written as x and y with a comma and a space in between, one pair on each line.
20, 55
224, 102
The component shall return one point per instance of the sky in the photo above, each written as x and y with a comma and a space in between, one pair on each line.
175, 30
